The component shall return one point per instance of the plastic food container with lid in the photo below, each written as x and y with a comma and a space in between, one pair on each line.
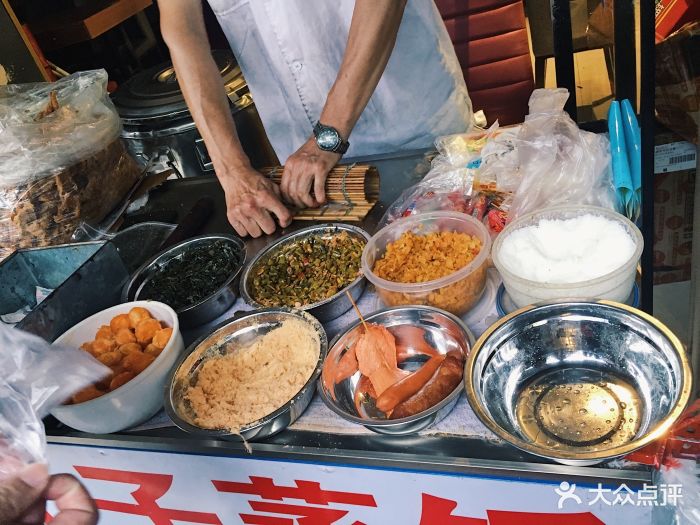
614, 286
456, 292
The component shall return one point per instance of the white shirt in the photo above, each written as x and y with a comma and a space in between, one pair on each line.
290, 52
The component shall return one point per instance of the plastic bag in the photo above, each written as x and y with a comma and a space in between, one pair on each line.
559, 163
35, 378
61, 159
448, 184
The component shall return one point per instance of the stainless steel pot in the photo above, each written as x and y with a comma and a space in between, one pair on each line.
158, 129
240, 332
209, 308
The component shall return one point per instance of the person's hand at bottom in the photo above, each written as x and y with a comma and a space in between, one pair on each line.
23, 498
251, 201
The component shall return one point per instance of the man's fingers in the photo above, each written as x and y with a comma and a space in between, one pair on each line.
251, 227
74, 504
302, 188
320, 186
19, 493
280, 210
240, 229
285, 183
265, 221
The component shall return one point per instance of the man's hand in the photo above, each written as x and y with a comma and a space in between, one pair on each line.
23, 498
307, 170
251, 199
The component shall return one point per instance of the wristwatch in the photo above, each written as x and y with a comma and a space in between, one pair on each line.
328, 139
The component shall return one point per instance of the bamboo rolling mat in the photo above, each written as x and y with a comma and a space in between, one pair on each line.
351, 193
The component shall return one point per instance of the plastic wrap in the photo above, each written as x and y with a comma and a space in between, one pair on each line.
448, 184
61, 159
559, 163
35, 378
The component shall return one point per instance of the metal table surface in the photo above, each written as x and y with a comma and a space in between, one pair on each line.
443, 453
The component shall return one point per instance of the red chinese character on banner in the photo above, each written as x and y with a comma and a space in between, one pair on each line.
151, 488
438, 511
308, 491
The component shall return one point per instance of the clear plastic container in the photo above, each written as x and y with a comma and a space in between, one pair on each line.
456, 292
615, 286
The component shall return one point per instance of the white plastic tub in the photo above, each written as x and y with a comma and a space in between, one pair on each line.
615, 285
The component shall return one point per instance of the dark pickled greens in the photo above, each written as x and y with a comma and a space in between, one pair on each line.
193, 276
308, 270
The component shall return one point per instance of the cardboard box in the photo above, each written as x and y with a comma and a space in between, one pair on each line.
671, 14
675, 164
678, 82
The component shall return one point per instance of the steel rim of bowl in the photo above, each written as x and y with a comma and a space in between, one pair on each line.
430, 411
235, 240
181, 423
248, 298
147, 372
659, 430
603, 212
447, 280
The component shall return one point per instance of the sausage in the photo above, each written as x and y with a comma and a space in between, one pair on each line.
408, 386
406, 352
444, 381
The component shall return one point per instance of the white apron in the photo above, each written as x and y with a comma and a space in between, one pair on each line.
290, 52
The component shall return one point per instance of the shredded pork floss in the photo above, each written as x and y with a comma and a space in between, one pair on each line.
250, 383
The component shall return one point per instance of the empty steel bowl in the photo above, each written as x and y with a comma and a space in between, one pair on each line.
327, 309
578, 382
209, 308
413, 327
240, 332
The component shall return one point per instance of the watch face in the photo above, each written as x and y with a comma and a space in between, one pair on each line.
328, 139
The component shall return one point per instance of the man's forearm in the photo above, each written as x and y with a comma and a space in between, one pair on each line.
373, 30
201, 84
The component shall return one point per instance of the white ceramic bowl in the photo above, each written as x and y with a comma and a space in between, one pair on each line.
137, 400
614, 286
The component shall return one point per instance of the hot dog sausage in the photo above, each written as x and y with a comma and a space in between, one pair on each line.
406, 387
444, 381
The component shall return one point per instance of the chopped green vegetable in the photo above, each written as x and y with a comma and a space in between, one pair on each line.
308, 270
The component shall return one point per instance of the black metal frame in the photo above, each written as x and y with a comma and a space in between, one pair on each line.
625, 88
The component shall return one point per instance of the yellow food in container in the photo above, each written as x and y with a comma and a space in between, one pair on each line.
437, 259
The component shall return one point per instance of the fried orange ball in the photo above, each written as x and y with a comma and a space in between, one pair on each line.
120, 321
110, 358
123, 336
105, 332
121, 379
161, 337
130, 348
86, 394
101, 346
145, 330
152, 350
87, 347
138, 314
137, 363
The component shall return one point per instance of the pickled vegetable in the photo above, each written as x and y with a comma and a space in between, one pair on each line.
307, 270
193, 276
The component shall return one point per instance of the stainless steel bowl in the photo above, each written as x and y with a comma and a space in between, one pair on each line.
441, 330
241, 331
208, 308
325, 310
578, 382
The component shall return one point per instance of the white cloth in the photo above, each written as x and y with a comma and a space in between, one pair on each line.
290, 52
